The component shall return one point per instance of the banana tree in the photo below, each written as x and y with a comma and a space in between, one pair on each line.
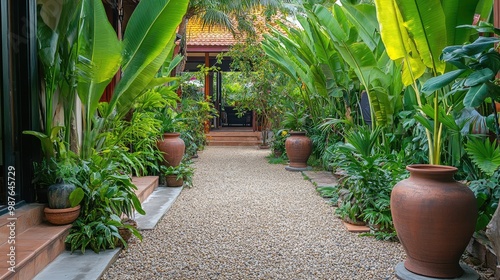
308, 57
477, 64
56, 30
352, 31
414, 33
147, 43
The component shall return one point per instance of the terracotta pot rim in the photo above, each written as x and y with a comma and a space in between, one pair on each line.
171, 134
298, 132
431, 168
63, 210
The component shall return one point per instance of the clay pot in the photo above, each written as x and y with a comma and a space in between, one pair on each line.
125, 233
58, 195
277, 153
434, 217
173, 148
62, 216
298, 148
172, 181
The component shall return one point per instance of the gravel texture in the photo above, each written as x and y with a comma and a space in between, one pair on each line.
247, 219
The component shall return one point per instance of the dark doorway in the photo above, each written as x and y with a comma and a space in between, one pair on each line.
18, 100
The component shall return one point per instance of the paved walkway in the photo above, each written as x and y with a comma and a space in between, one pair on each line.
247, 219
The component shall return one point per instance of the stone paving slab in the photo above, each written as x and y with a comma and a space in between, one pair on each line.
321, 178
78, 266
156, 205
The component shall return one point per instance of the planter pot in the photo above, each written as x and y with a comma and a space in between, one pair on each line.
173, 148
125, 233
62, 216
264, 146
172, 181
434, 217
58, 195
298, 148
277, 153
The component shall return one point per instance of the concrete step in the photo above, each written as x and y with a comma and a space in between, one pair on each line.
34, 249
29, 244
234, 143
235, 134
91, 266
234, 138
145, 186
38, 243
25, 217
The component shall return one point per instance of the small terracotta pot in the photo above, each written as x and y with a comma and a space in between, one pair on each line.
173, 148
277, 153
298, 148
172, 181
434, 217
125, 233
62, 216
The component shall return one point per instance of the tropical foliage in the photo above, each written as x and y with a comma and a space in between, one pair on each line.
80, 53
423, 70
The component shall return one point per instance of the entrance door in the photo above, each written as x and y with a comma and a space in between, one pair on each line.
18, 101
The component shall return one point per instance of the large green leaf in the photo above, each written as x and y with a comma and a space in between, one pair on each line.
100, 52
364, 18
458, 13
441, 81
478, 77
476, 95
150, 30
362, 59
397, 41
426, 23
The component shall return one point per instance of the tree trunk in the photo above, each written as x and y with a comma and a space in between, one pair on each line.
183, 44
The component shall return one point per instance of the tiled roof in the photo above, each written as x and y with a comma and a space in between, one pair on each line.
212, 37
199, 35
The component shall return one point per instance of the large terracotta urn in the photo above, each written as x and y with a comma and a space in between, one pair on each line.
173, 148
434, 217
298, 148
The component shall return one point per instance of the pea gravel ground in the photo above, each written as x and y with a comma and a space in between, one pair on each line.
247, 219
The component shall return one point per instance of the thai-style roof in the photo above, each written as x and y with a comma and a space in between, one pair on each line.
201, 38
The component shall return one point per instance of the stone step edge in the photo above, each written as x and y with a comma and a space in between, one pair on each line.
26, 216
145, 186
28, 265
91, 266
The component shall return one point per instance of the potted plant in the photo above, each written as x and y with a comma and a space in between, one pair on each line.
434, 215
278, 143
298, 145
63, 196
177, 176
171, 145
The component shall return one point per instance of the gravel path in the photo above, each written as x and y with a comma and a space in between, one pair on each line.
247, 219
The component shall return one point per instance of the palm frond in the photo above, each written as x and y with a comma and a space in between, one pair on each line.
485, 154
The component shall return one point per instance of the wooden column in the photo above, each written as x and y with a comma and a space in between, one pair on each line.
207, 87
496, 13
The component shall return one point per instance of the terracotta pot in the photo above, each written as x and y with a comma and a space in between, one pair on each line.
62, 216
125, 233
298, 148
172, 181
173, 148
434, 217
277, 153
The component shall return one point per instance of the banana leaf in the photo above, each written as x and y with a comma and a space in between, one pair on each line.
147, 41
